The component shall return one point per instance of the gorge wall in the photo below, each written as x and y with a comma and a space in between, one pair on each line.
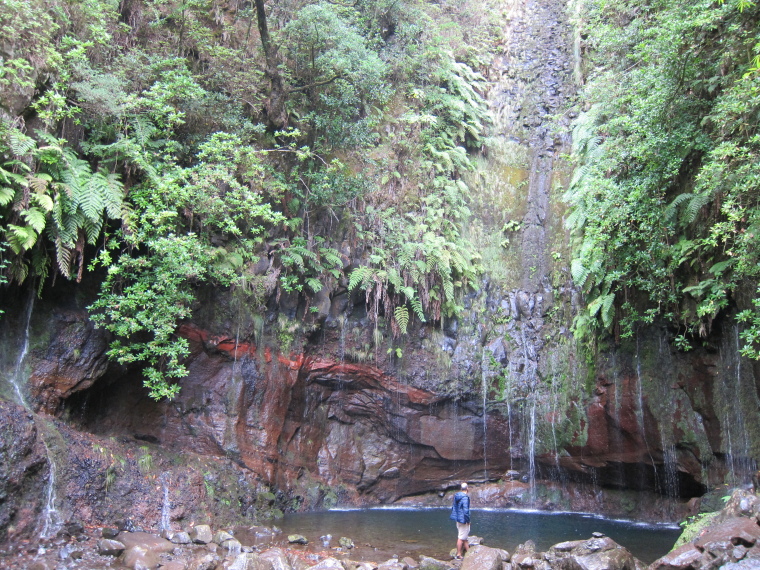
294, 409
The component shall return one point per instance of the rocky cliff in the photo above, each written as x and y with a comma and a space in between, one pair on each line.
296, 409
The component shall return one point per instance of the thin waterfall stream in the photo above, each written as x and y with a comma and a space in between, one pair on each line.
50, 519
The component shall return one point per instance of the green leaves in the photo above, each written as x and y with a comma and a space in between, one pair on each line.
145, 297
665, 195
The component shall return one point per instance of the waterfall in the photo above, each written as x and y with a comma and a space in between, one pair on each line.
484, 382
51, 517
532, 450
17, 379
735, 394
640, 411
165, 505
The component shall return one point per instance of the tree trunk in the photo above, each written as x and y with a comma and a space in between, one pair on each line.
277, 117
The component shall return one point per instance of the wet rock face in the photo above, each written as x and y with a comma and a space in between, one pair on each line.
73, 360
23, 472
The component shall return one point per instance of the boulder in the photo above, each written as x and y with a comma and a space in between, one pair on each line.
411, 563
139, 558
205, 561
110, 547
427, 563
232, 546
737, 530
201, 534
598, 553
222, 536
297, 539
180, 538
277, 558
149, 542
346, 542
682, 558
249, 561
481, 557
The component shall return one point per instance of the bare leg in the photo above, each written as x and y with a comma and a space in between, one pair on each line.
462, 547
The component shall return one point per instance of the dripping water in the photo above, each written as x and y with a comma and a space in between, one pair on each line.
484, 381
532, 450
51, 518
17, 379
640, 412
165, 505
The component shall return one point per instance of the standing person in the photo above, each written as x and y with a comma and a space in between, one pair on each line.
460, 512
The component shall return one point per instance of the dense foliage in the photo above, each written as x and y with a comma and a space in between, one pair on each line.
169, 143
665, 198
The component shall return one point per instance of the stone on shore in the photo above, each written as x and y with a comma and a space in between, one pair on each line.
598, 553
109, 547
205, 561
297, 539
427, 563
222, 535
484, 558
181, 537
277, 558
139, 557
201, 534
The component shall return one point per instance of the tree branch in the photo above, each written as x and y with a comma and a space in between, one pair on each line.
315, 84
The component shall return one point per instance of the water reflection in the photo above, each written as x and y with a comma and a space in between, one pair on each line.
380, 533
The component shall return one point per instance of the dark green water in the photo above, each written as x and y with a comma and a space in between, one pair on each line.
380, 533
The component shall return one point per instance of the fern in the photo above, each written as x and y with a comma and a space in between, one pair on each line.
579, 272
417, 307
314, 284
691, 211
401, 314
6, 196
35, 218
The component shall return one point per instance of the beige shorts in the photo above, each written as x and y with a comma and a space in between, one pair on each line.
463, 530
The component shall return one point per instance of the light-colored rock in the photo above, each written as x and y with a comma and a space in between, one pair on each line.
201, 534
180, 538
145, 540
232, 546
247, 561
277, 558
222, 536
427, 563
139, 557
297, 539
346, 542
483, 558
110, 547
205, 561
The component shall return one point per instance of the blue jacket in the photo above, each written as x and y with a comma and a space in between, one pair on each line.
460, 510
